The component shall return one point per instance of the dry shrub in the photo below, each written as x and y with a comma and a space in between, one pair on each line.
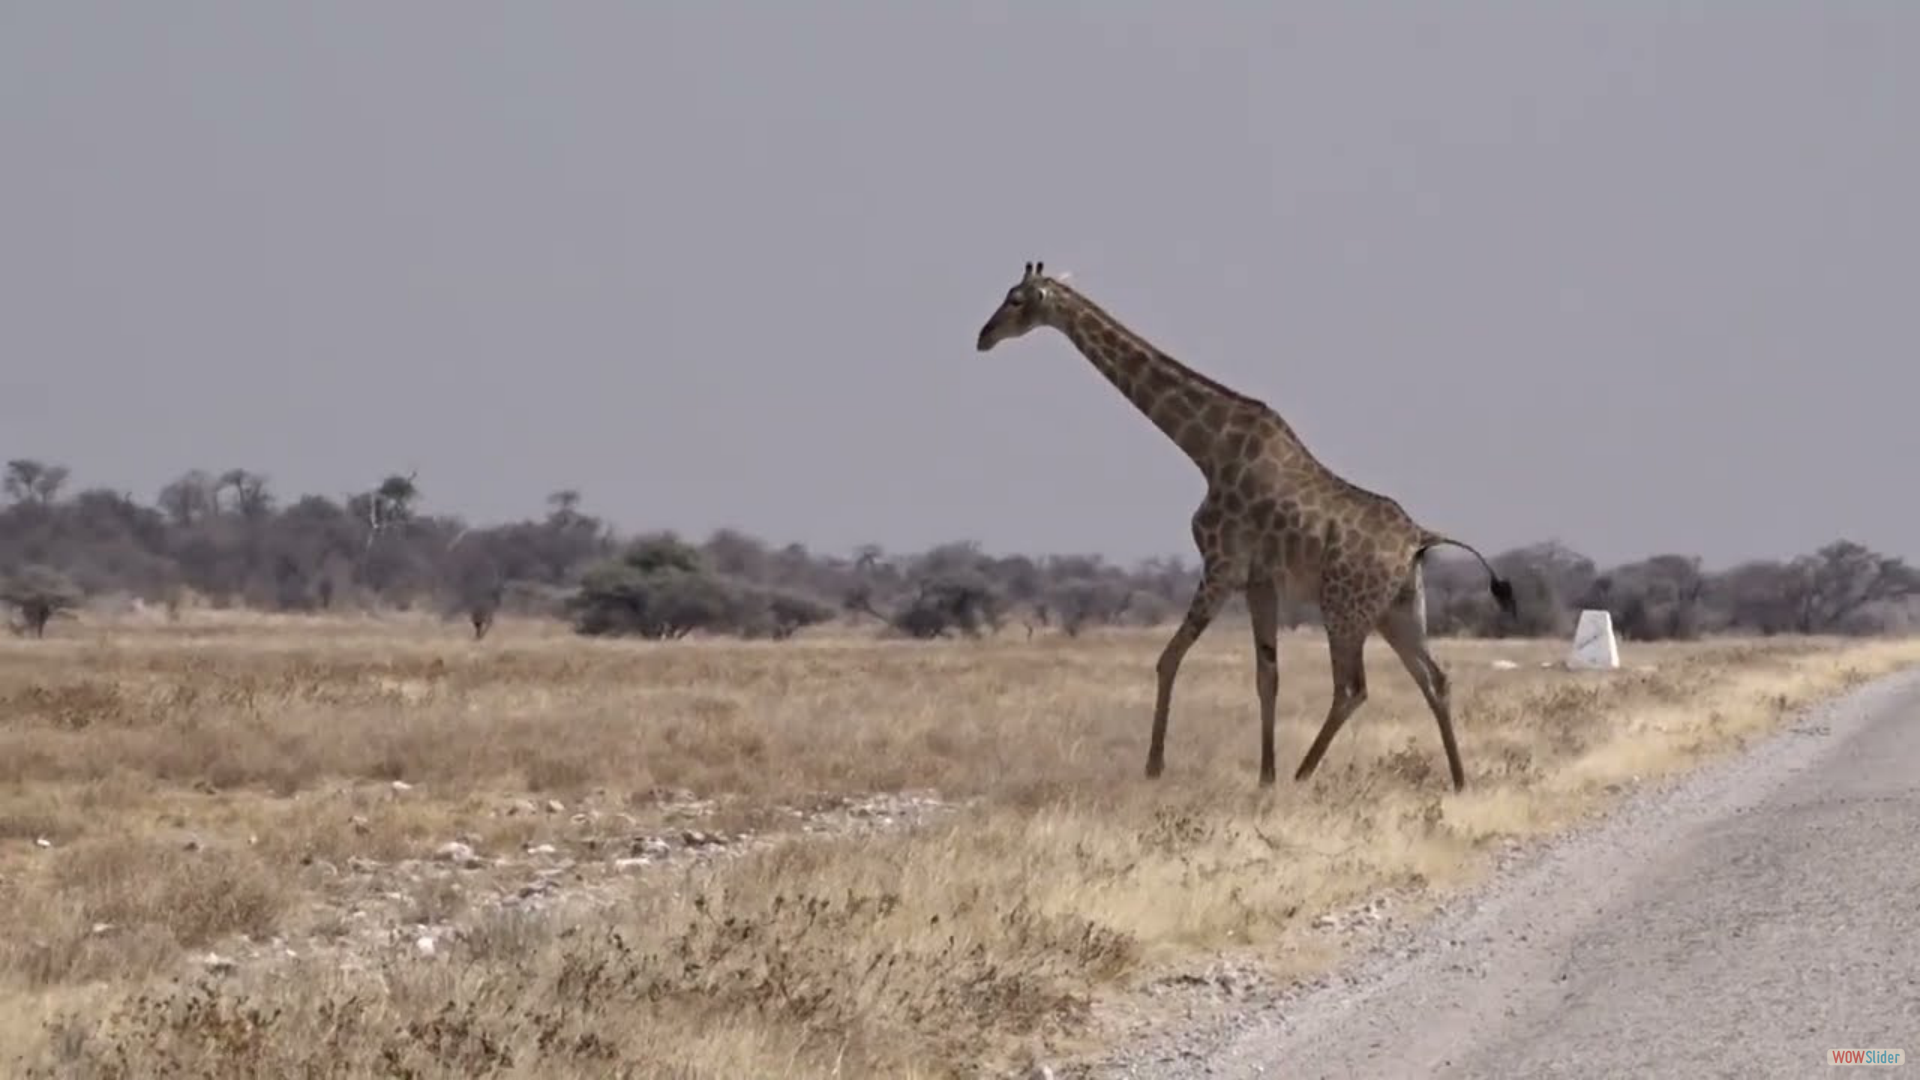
196, 896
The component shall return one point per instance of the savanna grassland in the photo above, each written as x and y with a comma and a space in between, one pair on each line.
240, 845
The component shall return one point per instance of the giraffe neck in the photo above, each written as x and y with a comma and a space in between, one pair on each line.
1188, 407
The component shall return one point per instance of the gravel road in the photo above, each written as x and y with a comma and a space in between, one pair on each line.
1739, 922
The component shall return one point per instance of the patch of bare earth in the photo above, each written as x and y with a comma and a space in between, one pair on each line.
243, 846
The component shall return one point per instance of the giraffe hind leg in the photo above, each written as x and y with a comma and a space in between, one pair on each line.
1346, 645
1405, 628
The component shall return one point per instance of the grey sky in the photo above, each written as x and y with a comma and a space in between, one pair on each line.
1636, 276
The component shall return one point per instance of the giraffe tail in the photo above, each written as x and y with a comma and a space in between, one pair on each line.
1501, 588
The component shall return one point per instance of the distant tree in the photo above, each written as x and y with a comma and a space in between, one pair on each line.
951, 603
658, 588
251, 499
190, 499
1761, 596
1842, 580
1080, 602
780, 613
481, 608
1655, 599
39, 593
31, 480
476, 583
564, 504
735, 554
393, 500
384, 511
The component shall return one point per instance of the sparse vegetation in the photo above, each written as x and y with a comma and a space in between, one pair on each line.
222, 838
659, 813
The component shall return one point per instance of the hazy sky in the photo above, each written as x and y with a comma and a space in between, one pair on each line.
1637, 276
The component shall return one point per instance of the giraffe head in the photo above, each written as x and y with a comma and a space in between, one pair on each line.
1028, 304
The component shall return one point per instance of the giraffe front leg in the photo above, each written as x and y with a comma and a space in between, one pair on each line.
1200, 612
1263, 608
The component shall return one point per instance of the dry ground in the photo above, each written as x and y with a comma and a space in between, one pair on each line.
677, 860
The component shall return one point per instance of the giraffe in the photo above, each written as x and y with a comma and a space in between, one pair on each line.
1274, 519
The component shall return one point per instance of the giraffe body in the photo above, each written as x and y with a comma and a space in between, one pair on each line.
1274, 520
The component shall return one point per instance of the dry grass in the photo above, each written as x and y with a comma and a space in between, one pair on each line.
201, 786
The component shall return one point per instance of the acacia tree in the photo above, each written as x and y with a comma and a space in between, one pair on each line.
190, 499
251, 499
39, 594
481, 608
659, 588
28, 480
1841, 580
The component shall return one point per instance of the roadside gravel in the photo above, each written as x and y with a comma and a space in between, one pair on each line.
1738, 920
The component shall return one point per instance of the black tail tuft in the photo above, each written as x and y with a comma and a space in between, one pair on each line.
1503, 595
1502, 588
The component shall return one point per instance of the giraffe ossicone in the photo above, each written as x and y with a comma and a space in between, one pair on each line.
1274, 519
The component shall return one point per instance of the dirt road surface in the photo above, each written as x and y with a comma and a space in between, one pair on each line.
1740, 922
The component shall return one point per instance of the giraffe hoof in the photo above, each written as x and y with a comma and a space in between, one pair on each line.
1154, 769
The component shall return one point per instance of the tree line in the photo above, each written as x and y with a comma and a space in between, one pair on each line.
226, 539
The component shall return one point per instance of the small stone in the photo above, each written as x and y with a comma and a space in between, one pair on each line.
634, 862
42, 842
457, 853
542, 849
555, 806
401, 787
425, 945
360, 824
219, 965
102, 927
